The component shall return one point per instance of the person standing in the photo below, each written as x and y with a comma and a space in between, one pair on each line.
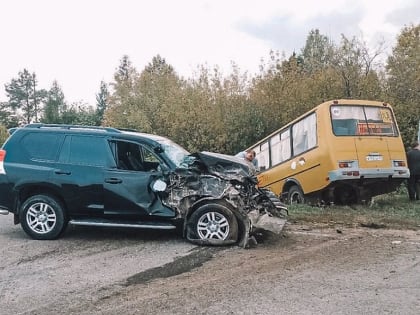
413, 160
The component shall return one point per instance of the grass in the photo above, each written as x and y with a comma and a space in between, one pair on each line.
392, 210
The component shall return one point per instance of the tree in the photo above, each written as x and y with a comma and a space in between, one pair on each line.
201, 118
281, 92
79, 113
3, 134
7, 117
157, 93
144, 101
229, 113
101, 102
54, 106
39, 97
23, 96
121, 98
403, 84
318, 52
354, 62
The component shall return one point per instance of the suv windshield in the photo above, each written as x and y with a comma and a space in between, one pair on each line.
173, 151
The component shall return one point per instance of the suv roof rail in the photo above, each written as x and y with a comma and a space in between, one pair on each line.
12, 130
66, 126
128, 129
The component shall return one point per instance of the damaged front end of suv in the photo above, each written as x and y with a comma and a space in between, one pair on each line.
218, 201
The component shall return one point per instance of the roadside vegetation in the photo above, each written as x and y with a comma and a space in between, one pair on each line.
391, 211
228, 112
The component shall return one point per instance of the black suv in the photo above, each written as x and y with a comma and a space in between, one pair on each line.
52, 175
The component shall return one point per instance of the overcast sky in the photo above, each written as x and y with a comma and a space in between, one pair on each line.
81, 42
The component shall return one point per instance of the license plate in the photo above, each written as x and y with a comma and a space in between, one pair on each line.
374, 158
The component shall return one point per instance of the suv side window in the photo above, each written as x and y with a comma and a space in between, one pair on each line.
84, 150
41, 146
134, 157
149, 157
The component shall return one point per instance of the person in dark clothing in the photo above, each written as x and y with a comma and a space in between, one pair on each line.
413, 160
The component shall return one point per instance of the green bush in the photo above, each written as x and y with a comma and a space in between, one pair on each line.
3, 134
393, 210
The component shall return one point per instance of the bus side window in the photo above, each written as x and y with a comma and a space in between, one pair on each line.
304, 134
264, 155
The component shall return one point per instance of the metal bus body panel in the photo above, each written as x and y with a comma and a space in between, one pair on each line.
370, 157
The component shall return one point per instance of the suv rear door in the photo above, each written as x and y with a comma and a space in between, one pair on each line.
79, 173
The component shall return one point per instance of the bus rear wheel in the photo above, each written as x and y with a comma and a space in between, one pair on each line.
295, 195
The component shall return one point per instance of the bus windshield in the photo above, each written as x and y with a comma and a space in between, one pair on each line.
362, 120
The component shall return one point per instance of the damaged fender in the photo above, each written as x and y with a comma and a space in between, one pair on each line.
220, 202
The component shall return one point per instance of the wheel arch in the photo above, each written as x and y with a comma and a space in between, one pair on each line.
28, 191
204, 201
43, 217
288, 184
242, 221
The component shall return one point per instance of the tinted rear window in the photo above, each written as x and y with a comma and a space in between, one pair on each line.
41, 146
85, 150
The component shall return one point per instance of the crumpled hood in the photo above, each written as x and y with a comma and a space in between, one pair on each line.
214, 178
222, 165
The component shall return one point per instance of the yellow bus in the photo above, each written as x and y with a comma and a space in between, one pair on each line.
342, 151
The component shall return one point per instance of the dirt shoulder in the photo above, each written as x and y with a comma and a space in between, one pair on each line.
310, 269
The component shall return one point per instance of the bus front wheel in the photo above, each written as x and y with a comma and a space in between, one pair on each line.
295, 195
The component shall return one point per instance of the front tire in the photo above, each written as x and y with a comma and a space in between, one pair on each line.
42, 217
212, 224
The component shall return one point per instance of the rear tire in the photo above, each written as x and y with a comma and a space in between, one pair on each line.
42, 217
212, 223
295, 195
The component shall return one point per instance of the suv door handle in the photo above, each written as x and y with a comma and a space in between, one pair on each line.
61, 172
113, 180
